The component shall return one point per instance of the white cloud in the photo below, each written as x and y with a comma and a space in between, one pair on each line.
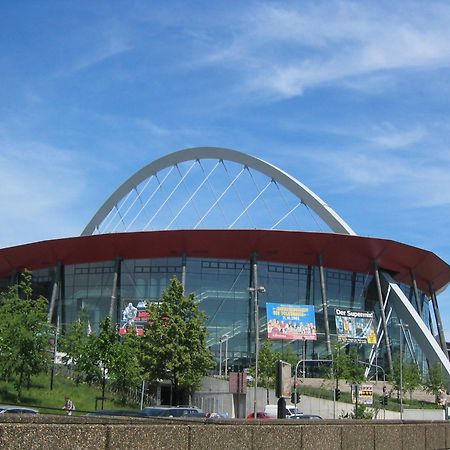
283, 50
415, 182
39, 183
106, 41
388, 137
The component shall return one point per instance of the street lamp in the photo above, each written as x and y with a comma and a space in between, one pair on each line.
254, 291
401, 326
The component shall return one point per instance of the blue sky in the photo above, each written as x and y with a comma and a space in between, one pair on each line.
349, 97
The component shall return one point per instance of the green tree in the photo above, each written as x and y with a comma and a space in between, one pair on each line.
355, 371
117, 357
435, 382
174, 344
24, 333
267, 365
76, 343
125, 368
346, 366
411, 377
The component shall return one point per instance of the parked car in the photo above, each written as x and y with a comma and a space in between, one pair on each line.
172, 411
17, 410
304, 417
272, 410
259, 415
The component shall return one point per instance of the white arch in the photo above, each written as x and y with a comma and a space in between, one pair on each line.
328, 215
419, 330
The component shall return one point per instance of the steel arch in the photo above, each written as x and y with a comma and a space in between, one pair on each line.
327, 214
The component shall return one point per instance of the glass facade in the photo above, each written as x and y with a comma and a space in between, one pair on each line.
221, 287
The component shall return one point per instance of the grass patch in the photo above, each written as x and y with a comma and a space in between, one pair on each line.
49, 401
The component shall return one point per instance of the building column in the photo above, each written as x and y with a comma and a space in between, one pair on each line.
324, 305
13, 278
438, 318
56, 292
251, 312
383, 317
183, 271
113, 310
416, 293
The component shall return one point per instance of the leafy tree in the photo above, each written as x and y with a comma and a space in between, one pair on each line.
102, 347
435, 382
174, 344
411, 377
117, 356
345, 366
267, 365
80, 356
96, 357
24, 333
355, 371
287, 354
125, 369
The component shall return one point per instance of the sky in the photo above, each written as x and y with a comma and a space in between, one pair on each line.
351, 98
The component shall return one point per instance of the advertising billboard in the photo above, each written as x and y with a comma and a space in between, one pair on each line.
364, 393
291, 322
134, 317
357, 327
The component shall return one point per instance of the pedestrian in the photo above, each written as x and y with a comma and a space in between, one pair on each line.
68, 406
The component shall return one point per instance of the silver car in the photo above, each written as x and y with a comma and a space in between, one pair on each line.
17, 410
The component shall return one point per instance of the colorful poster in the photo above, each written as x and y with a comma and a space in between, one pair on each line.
134, 317
364, 392
357, 327
291, 322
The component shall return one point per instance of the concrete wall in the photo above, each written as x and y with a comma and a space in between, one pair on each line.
423, 414
80, 433
213, 396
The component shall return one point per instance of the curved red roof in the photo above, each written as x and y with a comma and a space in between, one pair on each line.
339, 251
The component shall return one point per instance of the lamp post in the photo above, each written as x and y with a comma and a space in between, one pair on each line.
220, 357
401, 326
254, 291
225, 338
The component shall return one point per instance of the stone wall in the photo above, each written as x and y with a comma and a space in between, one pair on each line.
61, 432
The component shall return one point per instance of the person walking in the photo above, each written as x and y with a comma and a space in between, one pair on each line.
69, 407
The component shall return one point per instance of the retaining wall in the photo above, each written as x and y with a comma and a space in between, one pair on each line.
60, 432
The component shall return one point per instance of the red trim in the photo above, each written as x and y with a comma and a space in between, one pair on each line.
339, 251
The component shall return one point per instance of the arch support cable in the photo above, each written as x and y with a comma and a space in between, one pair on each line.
193, 195
250, 204
170, 195
136, 198
220, 197
160, 184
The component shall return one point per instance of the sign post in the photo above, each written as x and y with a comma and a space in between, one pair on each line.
282, 387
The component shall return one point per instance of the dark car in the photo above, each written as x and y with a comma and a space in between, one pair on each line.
304, 417
17, 410
172, 411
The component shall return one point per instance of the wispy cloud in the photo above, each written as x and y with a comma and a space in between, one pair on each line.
104, 42
389, 137
283, 49
416, 182
39, 183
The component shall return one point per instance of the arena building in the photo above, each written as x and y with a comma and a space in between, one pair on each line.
240, 233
